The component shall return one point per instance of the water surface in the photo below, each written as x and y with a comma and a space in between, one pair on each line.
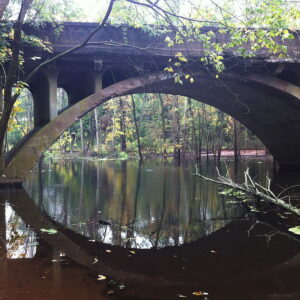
147, 227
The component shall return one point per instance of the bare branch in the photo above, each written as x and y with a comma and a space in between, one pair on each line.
253, 189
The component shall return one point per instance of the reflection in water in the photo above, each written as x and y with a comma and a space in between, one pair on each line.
20, 239
153, 204
16, 239
144, 206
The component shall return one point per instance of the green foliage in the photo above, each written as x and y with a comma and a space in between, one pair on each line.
295, 229
49, 231
233, 193
123, 155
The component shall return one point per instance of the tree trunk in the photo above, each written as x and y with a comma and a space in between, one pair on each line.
9, 100
97, 128
200, 133
220, 136
163, 125
81, 137
194, 142
236, 140
137, 131
176, 128
122, 126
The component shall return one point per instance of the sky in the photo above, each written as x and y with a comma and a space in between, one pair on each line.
92, 8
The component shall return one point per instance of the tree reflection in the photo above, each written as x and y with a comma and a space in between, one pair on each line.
16, 240
150, 204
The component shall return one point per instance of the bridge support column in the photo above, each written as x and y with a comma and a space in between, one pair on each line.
44, 90
84, 84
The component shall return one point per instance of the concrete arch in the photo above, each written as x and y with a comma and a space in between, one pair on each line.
262, 105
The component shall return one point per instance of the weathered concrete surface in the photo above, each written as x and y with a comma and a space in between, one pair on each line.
274, 116
123, 40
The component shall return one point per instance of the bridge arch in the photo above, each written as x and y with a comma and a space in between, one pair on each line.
250, 100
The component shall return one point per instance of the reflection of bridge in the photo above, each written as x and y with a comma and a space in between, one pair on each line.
224, 263
262, 93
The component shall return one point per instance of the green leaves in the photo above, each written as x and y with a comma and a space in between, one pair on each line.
295, 230
233, 193
49, 231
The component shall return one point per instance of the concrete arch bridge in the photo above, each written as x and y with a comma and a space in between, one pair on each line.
262, 92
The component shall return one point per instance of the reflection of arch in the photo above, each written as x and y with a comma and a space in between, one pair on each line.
267, 110
228, 270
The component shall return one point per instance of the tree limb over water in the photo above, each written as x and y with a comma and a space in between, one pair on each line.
251, 190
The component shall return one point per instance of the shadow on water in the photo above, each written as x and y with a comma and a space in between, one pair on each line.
171, 234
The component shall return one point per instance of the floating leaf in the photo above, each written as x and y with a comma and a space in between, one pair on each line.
108, 251
95, 260
49, 231
200, 293
181, 296
132, 252
101, 277
295, 229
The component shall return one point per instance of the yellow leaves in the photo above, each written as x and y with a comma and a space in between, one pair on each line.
169, 41
132, 252
101, 277
13, 123
181, 57
169, 69
177, 78
188, 77
108, 251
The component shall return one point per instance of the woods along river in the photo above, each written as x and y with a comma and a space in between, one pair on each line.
107, 229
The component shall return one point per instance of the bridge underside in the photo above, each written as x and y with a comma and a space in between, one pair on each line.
268, 106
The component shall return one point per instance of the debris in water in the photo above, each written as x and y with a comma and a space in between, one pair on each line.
101, 277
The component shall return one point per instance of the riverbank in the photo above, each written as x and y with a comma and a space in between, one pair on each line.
261, 153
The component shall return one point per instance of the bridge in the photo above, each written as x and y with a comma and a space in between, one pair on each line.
261, 92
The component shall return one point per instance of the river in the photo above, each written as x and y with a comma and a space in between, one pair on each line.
110, 229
